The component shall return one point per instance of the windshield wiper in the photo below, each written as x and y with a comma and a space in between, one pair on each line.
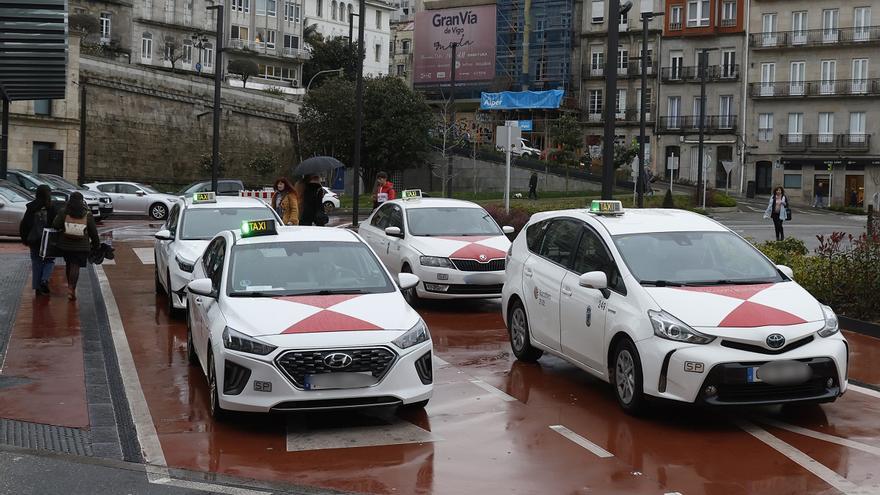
661, 283
252, 293
732, 282
332, 292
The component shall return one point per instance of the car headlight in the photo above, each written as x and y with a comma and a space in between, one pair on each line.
415, 335
669, 327
238, 342
436, 262
184, 265
831, 324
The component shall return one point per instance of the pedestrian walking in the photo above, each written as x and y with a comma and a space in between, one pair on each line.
40, 214
533, 186
384, 190
820, 195
312, 212
285, 201
778, 211
77, 237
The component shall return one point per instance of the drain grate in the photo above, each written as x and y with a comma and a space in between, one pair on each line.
45, 437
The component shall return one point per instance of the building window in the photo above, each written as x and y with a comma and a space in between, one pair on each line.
43, 107
597, 62
595, 103
105, 27
333, 10
148, 7
209, 55
620, 103
622, 60
188, 12
271, 8
319, 8
857, 127
792, 181
261, 7
795, 127
291, 11
291, 42
342, 12
698, 13
598, 12
378, 52
147, 47
270, 38
826, 127
673, 111
765, 127
728, 13
675, 18
405, 46
401, 70
378, 19
187, 52
238, 33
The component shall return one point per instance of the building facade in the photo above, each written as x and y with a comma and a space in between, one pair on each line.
716, 29
814, 111
533, 47
401, 58
336, 18
113, 37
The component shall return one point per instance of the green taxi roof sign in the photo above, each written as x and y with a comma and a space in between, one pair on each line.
409, 194
606, 207
204, 197
256, 228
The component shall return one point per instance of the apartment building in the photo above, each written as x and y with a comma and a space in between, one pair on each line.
335, 18
401, 59
714, 28
590, 55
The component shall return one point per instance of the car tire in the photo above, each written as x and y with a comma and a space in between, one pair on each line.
217, 412
328, 207
158, 211
411, 295
520, 342
415, 405
626, 370
190, 347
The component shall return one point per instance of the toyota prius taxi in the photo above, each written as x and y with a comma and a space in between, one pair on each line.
454, 247
671, 304
303, 318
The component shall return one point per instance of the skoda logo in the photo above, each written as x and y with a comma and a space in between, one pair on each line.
338, 360
483, 257
775, 341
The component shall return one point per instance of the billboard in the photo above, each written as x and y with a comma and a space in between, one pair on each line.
471, 28
513, 100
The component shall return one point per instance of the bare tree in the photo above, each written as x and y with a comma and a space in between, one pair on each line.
446, 138
173, 52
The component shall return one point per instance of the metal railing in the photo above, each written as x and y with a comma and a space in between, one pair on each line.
690, 124
714, 73
630, 115
296, 53
825, 142
815, 37
632, 69
675, 26
797, 89
728, 22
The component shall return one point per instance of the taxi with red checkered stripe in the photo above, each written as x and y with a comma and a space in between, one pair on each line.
304, 318
671, 304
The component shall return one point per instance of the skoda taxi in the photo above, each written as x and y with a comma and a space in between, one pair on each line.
454, 247
304, 318
191, 223
669, 303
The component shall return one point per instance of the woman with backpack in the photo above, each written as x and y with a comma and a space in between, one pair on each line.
77, 236
39, 215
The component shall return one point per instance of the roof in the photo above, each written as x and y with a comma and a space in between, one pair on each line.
436, 203
33, 49
300, 234
226, 202
634, 221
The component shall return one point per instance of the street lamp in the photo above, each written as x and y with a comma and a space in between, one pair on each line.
359, 114
640, 186
199, 41
218, 78
327, 71
616, 10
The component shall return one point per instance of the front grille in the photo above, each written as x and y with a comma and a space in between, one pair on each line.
496, 265
235, 378
730, 379
472, 289
297, 364
760, 392
355, 402
425, 369
763, 350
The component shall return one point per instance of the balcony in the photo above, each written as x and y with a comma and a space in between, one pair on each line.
630, 116
850, 143
802, 89
689, 124
633, 69
675, 26
690, 74
728, 23
269, 49
298, 53
815, 37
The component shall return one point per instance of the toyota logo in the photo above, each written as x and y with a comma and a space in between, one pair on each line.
338, 360
775, 341
483, 257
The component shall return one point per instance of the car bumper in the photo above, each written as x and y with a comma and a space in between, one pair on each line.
666, 364
179, 280
400, 385
106, 211
445, 283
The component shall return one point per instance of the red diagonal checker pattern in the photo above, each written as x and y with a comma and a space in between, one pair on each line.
326, 320
749, 313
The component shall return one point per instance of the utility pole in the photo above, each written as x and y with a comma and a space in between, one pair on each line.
453, 127
218, 78
702, 68
643, 104
358, 115
614, 13
4, 139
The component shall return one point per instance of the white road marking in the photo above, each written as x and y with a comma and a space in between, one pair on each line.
823, 436
109, 262
494, 391
803, 460
583, 442
865, 391
146, 254
394, 431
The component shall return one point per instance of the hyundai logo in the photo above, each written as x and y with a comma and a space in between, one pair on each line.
338, 360
775, 341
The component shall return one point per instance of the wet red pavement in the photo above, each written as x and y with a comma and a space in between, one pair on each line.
489, 445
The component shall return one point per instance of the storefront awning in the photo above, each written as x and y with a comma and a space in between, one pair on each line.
33, 49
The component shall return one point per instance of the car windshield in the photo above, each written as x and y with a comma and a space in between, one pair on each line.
148, 189
451, 222
13, 195
300, 268
694, 258
204, 223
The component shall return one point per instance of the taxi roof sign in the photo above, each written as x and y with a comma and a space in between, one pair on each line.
606, 207
256, 228
408, 194
204, 197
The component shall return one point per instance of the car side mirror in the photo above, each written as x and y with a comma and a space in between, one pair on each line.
787, 271
594, 280
407, 281
202, 287
507, 229
141, 193
164, 235
393, 232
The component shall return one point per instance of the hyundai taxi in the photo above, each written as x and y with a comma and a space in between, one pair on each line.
190, 224
671, 304
304, 318
454, 247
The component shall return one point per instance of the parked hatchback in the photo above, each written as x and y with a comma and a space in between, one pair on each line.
133, 198
31, 181
13, 203
105, 202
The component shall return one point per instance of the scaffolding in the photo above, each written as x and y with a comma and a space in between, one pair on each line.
533, 44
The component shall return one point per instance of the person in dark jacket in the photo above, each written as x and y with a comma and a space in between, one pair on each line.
39, 214
312, 211
78, 236
533, 186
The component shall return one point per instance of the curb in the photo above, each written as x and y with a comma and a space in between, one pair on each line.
859, 326
722, 209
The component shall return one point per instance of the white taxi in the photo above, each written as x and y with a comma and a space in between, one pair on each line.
671, 304
304, 318
455, 247
191, 223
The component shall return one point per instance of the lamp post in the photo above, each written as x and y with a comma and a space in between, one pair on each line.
643, 110
327, 71
358, 115
199, 41
615, 12
218, 78
453, 123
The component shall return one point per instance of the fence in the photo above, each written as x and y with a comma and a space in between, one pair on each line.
261, 194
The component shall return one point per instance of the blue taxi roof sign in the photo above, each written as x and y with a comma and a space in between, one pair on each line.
204, 197
410, 194
256, 228
606, 207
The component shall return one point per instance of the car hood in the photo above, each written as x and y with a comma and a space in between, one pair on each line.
190, 250
335, 320
479, 248
718, 310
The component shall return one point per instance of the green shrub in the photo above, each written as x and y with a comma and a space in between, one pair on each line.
716, 198
847, 209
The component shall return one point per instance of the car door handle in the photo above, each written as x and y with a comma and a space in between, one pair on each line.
566, 291
527, 272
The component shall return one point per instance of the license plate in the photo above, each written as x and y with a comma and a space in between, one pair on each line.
752, 375
326, 381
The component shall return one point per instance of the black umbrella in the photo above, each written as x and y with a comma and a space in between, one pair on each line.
316, 165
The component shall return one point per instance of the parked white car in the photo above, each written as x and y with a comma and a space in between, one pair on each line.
331, 200
525, 150
132, 198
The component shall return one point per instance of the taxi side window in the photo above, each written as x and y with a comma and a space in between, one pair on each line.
213, 260
592, 256
173, 216
534, 234
560, 241
380, 219
395, 217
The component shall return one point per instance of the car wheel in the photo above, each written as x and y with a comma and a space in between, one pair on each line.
190, 347
627, 377
217, 412
328, 207
519, 334
158, 211
415, 405
411, 295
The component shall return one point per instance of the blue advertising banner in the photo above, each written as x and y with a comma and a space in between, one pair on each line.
516, 100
